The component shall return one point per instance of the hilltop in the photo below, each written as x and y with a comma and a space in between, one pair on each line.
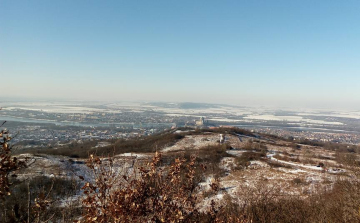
247, 167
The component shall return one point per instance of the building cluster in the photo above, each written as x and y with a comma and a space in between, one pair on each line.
42, 136
339, 137
38, 128
121, 118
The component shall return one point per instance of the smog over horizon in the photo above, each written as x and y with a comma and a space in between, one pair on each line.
249, 103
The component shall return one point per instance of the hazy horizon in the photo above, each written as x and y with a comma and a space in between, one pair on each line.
250, 53
19, 100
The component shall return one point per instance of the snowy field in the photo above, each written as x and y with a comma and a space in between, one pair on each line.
220, 113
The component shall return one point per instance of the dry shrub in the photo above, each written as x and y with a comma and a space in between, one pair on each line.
297, 181
213, 153
276, 164
346, 158
245, 158
266, 203
157, 194
341, 204
295, 146
282, 210
308, 161
30, 200
209, 157
287, 157
249, 145
38, 199
8, 163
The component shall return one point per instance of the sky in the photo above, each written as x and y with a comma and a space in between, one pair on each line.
242, 52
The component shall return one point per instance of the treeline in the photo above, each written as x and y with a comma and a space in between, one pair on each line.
145, 144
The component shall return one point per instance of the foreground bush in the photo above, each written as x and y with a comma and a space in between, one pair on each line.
8, 163
39, 199
157, 194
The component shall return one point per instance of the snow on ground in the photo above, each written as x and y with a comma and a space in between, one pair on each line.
227, 163
296, 179
65, 167
269, 117
205, 186
102, 144
236, 152
134, 155
194, 142
225, 120
199, 141
181, 131
53, 166
293, 171
354, 115
59, 109
256, 164
298, 165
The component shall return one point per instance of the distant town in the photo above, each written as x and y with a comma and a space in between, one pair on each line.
43, 124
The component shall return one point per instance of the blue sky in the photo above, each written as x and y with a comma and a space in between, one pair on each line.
279, 53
